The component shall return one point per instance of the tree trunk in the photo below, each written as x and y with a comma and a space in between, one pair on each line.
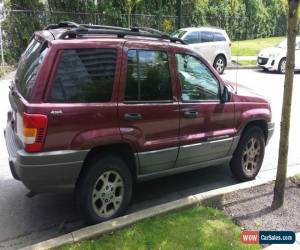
278, 198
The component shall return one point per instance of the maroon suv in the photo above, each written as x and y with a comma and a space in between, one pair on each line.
96, 108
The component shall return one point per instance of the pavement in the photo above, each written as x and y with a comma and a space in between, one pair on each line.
25, 221
213, 198
243, 58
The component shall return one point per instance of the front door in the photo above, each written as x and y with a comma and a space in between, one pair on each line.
206, 125
148, 110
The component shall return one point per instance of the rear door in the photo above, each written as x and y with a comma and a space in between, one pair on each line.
148, 110
206, 125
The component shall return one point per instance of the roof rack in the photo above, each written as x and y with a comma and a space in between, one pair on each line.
75, 30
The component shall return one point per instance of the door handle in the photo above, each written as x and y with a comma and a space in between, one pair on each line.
190, 114
132, 116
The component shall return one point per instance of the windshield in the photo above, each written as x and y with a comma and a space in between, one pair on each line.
282, 45
178, 33
28, 67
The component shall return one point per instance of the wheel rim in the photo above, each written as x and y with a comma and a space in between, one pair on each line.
282, 66
108, 194
251, 156
220, 65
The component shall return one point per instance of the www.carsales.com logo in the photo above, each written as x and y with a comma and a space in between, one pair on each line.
268, 237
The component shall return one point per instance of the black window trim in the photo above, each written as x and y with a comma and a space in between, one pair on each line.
198, 101
170, 71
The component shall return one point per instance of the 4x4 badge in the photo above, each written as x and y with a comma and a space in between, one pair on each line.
56, 112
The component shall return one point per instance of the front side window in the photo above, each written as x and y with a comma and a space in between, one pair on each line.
84, 75
192, 37
196, 80
148, 76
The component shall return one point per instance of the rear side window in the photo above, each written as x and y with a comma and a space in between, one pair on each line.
218, 37
206, 37
29, 66
84, 75
148, 76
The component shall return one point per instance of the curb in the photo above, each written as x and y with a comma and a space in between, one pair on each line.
210, 197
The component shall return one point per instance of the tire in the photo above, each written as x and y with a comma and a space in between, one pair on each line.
220, 64
249, 154
104, 190
281, 66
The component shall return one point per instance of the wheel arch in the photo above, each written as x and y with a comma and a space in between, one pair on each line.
223, 55
262, 124
123, 150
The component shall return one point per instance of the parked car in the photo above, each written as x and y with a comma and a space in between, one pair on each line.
274, 59
213, 44
95, 109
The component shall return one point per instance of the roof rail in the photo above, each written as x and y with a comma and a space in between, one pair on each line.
64, 24
74, 30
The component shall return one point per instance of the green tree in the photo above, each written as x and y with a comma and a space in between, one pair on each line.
278, 198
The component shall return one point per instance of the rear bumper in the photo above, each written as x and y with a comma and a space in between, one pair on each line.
54, 171
271, 128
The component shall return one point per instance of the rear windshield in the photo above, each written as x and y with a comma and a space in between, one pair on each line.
29, 66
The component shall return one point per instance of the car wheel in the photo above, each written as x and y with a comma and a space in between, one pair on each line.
248, 157
282, 66
105, 189
220, 64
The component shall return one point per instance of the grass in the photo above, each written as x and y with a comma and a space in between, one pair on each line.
296, 179
247, 62
195, 228
252, 47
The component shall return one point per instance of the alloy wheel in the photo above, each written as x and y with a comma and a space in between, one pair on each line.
283, 66
251, 156
220, 65
108, 194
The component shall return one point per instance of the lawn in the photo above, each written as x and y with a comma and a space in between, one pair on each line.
296, 179
252, 47
195, 228
247, 62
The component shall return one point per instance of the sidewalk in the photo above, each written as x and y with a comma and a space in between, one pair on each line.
295, 246
243, 58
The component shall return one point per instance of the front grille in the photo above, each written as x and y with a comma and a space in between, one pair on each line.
262, 60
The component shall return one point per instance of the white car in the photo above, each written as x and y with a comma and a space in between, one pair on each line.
213, 44
274, 59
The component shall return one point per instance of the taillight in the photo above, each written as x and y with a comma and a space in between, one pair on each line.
34, 131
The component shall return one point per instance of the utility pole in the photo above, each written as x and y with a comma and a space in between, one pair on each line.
179, 14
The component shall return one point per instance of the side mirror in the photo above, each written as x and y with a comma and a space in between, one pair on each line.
225, 96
